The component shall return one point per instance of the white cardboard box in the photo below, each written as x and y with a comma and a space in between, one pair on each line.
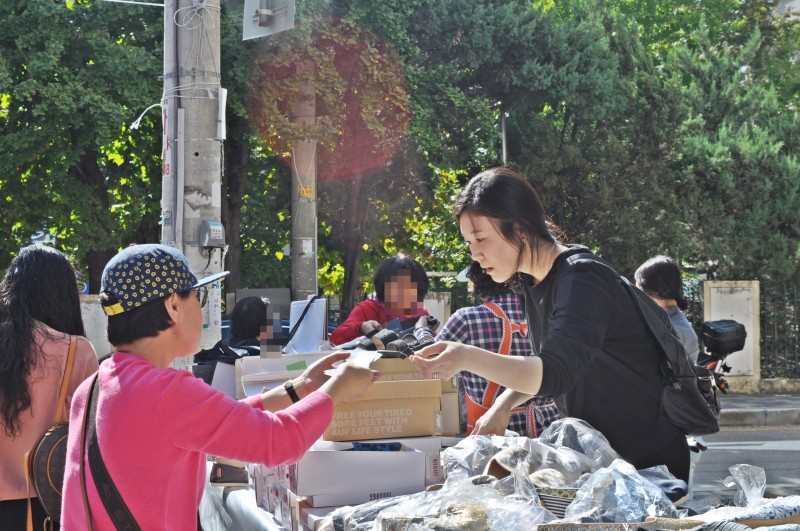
328, 469
356, 498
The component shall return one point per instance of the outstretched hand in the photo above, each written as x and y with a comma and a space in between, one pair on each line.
441, 360
493, 422
314, 376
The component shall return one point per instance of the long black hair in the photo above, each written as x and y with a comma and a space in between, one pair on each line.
39, 285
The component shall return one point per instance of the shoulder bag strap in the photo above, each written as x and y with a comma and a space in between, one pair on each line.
86, 410
115, 506
62, 392
300, 320
621, 367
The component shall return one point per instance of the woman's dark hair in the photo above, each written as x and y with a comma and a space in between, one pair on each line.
248, 316
145, 321
389, 269
485, 286
660, 277
39, 285
506, 198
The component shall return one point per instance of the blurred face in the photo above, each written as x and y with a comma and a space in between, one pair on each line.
400, 293
488, 247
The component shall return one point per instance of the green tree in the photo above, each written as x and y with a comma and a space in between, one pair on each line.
738, 156
71, 76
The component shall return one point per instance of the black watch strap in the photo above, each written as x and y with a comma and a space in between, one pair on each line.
289, 386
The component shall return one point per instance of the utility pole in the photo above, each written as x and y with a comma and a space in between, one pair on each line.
305, 276
193, 112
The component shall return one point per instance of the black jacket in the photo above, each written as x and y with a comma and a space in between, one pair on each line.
580, 316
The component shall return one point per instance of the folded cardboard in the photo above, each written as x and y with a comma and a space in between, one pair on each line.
403, 408
402, 369
330, 469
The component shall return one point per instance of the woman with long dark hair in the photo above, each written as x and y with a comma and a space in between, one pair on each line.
39, 311
591, 345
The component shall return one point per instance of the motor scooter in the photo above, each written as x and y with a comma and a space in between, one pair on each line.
720, 338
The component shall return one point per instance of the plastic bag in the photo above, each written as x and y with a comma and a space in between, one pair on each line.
751, 482
578, 435
618, 494
462, 505
750, 503
470, 456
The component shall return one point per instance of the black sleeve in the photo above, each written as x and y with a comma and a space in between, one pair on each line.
583, 304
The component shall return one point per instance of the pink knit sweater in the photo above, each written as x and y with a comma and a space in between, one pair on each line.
155, 427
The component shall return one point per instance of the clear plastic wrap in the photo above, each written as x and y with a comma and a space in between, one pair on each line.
619, 494
471, 455
751, 508
463, 505
578, 435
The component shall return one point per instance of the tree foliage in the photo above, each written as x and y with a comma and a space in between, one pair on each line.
72, 76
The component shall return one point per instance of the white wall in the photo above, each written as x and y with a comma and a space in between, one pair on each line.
740, 301
95, 321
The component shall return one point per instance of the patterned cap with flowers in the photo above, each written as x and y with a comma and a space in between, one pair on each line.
142, 273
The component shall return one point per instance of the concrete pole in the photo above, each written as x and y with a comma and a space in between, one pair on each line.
195, 94
169, 107
305, 279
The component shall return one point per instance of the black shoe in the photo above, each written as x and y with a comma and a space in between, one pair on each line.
229, 476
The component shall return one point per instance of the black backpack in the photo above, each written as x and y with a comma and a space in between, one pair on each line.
687, 395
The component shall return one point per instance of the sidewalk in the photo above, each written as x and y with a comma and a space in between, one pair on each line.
740, 410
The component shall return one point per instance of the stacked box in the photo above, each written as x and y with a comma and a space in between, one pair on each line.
390, 409
394, 369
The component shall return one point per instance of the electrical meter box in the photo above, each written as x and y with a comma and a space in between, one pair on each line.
212, 234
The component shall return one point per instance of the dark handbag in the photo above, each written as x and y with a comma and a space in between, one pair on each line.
44, 464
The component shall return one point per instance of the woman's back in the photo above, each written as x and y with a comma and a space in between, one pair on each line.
43, 382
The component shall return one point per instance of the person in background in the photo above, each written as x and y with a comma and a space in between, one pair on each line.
248, 325
39, 311
592, 345
497, 325
661, 278
400, 287
155, 425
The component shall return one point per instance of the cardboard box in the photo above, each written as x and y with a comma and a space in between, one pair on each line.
403, 408
327, 469
451, 425
392, 369
311, 517
250, 365
357, 498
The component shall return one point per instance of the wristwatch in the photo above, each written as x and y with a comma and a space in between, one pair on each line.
289, 386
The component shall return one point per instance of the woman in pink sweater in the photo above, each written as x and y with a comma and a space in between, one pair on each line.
39, 310
155, 424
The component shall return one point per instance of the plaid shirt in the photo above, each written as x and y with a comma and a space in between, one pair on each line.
477, 325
